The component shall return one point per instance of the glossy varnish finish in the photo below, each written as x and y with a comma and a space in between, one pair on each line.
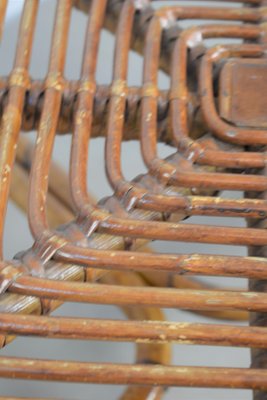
99, 257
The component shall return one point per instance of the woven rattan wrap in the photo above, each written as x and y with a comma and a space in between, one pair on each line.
214, 116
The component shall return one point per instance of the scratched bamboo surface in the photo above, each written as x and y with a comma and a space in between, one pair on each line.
91, 252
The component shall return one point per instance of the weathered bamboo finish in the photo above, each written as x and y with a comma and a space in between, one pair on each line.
78, 242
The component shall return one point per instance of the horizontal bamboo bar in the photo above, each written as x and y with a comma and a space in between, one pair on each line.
137, 331
191, 264
121, 374
137, 296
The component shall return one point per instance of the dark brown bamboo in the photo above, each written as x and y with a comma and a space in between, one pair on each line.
128, 374
154, 297
139, 332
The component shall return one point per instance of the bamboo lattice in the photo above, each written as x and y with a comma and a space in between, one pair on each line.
214, 117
